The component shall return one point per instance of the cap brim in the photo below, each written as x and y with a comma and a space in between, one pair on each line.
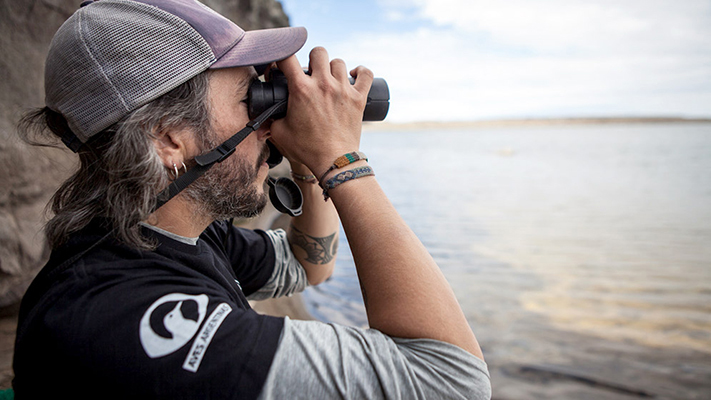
263, 46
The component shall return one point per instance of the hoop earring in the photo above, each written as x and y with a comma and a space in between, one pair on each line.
184, 167
175, 170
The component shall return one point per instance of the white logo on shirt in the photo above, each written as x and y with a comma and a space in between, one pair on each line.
173, 320
197, 352
176, 323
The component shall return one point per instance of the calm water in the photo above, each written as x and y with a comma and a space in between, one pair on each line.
581, 255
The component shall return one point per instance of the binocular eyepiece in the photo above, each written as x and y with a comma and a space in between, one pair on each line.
263, 95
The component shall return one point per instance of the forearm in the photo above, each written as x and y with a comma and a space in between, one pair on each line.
313, 236
406, 294
404, 291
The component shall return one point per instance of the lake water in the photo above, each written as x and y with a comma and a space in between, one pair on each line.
581, 255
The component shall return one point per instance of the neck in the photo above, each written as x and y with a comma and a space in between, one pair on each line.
180, 217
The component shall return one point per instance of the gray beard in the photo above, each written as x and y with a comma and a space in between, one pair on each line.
227, 189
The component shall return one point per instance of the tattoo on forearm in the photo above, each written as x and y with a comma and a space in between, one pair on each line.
319, 250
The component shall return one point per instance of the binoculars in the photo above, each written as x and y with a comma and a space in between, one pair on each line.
262, 95
284, 194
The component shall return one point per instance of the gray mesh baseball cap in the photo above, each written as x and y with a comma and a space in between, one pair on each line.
113, 56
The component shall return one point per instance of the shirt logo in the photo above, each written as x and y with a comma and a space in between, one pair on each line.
171, 322
194, 358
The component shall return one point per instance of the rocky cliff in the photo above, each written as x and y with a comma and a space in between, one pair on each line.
30, 175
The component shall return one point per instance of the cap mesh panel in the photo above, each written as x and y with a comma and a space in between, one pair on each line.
116, 56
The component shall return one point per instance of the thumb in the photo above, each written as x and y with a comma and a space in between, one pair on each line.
363, 79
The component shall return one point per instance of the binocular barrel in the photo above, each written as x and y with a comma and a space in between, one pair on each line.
263, 95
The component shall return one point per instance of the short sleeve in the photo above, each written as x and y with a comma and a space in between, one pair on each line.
319, 360
288, 277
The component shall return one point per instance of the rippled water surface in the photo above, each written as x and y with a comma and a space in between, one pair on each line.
581, 255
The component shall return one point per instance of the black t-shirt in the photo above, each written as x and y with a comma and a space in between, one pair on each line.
172, 323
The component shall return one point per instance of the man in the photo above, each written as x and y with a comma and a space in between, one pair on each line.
143, 303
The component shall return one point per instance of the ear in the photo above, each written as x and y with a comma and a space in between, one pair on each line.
172, 146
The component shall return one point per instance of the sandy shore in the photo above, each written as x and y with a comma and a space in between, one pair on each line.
292, 307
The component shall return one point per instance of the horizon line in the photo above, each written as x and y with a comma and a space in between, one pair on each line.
537, 121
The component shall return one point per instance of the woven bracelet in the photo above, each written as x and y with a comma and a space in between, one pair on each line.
346, 176
304, 178
342, 161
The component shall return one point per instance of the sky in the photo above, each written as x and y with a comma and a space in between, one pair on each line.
468, 60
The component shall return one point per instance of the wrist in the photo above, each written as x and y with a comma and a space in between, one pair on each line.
303, 179
335, 178
299, 168
341, 162
320, 163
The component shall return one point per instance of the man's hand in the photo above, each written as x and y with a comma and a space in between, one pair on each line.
325, 112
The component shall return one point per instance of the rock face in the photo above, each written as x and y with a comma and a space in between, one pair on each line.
30, 175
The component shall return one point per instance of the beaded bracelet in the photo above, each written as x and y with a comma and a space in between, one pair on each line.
346, 176
305, 178
342, 161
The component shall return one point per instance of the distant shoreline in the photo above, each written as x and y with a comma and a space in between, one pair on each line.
422, 125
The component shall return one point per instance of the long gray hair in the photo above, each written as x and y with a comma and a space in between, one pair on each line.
120, 172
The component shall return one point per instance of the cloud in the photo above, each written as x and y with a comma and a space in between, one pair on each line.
599, 26
471, 59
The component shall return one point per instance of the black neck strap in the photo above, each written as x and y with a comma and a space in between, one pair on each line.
205, 161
